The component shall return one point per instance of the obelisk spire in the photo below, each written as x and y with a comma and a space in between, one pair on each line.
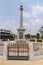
21, 29
21, 15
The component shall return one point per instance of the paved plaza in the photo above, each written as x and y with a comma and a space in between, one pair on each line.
37, 62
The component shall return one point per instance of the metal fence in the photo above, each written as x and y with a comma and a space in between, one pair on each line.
18, 52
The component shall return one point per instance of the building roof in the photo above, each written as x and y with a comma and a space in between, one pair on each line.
4, 30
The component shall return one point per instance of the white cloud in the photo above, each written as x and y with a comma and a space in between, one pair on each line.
37, 10
34, 22
35, 25
10, 25
25, 24
37, 20
26, 15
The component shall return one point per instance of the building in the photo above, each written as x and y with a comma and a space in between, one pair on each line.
6, 34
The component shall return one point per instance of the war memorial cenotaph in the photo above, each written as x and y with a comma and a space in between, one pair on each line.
21, 49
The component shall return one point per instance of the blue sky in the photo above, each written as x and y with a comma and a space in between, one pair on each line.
32, 14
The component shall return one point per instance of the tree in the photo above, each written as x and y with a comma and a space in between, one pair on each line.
37, 35
27, 36
42, 37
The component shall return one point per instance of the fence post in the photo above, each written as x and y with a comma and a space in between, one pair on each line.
31, 52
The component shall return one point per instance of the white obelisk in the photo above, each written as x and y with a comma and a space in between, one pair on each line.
21, 29
21, 16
